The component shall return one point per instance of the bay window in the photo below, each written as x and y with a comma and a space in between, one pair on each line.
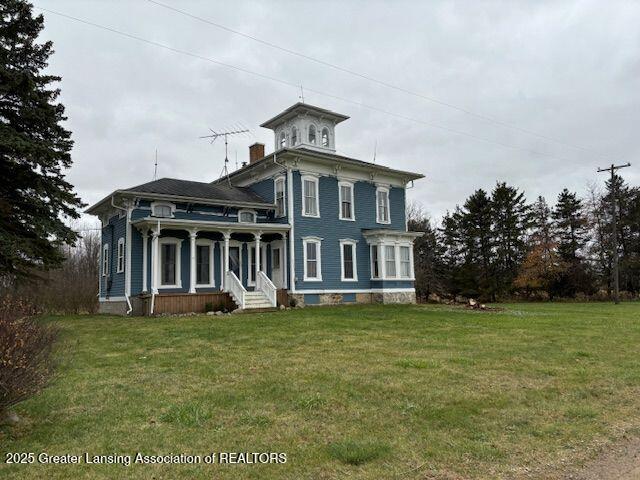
375, 261
390, 261
405, 262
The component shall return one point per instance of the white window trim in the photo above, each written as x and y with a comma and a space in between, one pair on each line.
411, 274
378, 246
105, 260
353, 203
328, 145
354, 247
178, 243
382, 258
317, 241
211, 244
120, 256
284, 194
164, 204
315, 130
253, 212
378, 220
316, 180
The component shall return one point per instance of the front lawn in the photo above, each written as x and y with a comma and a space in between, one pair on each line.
375, 392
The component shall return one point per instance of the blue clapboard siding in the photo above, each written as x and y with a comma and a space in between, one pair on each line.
266, 189
114, 230
331, 229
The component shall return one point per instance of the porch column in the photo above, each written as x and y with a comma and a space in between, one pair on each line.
192, 265
145, 240
225, 260
257, 236
155, 262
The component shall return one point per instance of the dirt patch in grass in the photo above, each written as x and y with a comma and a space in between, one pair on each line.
620, 461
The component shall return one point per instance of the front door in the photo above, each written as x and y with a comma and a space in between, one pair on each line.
234, 261
276, 266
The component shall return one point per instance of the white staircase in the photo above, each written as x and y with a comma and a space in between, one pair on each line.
256, 300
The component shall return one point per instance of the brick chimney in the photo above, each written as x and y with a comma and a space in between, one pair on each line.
256, 152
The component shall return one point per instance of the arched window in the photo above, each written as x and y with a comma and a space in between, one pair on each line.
325, 137
294, 136
283, 140
312, 134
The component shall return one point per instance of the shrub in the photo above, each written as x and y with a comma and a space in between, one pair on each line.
25, 353
208, 307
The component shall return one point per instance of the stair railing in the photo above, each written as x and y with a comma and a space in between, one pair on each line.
266, 286
235, 288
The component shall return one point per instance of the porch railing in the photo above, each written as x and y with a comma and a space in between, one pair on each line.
266, 286
234, 286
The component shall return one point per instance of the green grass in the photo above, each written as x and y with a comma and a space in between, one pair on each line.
373, 392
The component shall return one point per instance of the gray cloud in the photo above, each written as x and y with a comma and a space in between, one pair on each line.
568, 70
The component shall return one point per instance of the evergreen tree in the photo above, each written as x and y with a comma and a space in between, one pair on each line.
510, 224
427, 253
570, 225
477, 242
571, 230
34, 149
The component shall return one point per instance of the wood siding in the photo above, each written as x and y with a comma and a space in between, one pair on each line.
187, 303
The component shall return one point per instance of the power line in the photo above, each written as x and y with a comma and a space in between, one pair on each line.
373, 79
296, 86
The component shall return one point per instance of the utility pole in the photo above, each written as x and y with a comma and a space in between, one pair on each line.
614, 200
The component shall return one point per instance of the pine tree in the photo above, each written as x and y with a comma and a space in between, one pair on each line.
571, 230
510, 224
34, 149
570, 225
478, 246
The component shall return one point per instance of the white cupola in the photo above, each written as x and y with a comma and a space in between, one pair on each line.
305, 126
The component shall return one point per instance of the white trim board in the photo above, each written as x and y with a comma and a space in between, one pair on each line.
364, 290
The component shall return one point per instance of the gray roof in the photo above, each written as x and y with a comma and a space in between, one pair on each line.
301, 108
206, 191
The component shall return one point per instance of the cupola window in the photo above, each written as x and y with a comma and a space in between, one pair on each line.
283, 140
294, 136
312, 135
325, 137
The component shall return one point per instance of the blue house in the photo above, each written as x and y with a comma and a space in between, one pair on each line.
301, 225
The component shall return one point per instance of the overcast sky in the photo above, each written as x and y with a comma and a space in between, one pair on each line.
569, 71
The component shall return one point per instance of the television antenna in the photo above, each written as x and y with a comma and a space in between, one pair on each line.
214, 136
155, 169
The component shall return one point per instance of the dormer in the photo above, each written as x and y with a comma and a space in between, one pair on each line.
305, 126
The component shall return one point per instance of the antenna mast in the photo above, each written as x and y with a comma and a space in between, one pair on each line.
215, 135
155, 169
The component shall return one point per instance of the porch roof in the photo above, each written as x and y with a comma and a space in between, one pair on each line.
212, 226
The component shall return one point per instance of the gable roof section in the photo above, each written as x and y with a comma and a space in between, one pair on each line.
174, 189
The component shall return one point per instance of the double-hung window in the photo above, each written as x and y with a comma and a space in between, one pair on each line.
120, 264
348, 260
382, 205
312, 259
346, 200
390, 260
405, 262
375, 261
105, 260
310, 197
281, 209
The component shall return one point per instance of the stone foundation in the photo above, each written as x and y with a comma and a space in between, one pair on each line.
394, 297
298, 297
113, 308
363, 298
330, 299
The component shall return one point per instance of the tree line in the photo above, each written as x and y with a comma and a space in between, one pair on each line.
497, 246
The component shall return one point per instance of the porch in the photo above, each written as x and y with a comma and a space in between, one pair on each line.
186, 265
